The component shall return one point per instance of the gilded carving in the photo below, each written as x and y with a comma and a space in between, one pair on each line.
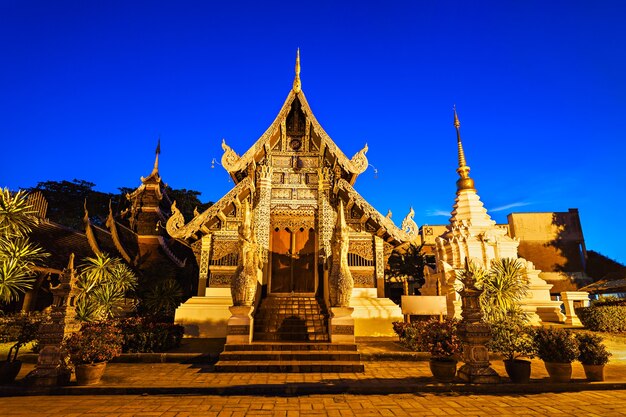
262, 211
281, 193
363, 248
220, 280
293, 223
306, 194
409, 226
363, 279
176, 226
380, 258
230, 160
340, 280
278, 178
359, 161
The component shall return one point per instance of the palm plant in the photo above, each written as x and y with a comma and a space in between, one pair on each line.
162, 298
18, 255
504, 285
17, 216
503, 288
103, 283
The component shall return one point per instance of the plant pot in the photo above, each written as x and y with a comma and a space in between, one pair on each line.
594, 372
90, 373
9, 371
518, 370
444, 370
559, 372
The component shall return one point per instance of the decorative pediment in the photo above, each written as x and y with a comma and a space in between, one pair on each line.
295, 103
177, 228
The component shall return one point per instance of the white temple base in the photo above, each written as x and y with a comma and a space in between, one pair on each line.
539, 297
240, 325
341, 325
372, 315
206, 316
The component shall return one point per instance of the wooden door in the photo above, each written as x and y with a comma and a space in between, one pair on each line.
293, 261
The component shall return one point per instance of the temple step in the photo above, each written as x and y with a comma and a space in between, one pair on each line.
291, 318
290, 357
302, 367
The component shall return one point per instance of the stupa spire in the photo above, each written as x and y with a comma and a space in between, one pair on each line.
297, 84
465, 182
156, 159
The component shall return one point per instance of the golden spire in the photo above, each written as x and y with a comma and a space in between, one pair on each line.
156, 159
465, 182
297, 85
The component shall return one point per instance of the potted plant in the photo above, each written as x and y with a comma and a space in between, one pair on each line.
593, 355
91, 348
441, 340
513, 338
558, 348
19, 329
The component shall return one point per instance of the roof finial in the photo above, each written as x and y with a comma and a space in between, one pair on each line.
297, 85
465, 182
457, 125
156, 159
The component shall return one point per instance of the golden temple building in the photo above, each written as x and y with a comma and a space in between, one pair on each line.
319, 248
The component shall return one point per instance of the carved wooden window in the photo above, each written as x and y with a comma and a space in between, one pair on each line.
231, 259
357, 260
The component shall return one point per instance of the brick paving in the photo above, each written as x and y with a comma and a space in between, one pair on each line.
589, 403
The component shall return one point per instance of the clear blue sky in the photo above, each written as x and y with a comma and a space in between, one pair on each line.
86, 87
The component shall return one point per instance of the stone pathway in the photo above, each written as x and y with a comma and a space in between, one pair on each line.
603, 403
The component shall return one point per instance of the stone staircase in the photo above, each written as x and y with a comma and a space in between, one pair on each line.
290, 357
291, 319
290, 335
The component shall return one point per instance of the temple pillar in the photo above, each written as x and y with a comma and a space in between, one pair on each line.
380, 266
325, 225
262, 215
204, 264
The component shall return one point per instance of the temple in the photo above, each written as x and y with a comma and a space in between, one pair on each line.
320, 248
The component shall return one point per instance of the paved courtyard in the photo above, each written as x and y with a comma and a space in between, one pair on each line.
588, 403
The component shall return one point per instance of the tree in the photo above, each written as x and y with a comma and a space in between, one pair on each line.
18, 255
66, 201
407, 262
104, 284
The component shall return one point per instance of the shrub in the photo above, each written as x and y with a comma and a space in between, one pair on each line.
513, 338
19, 328
95, 342
609, 301
399, 327
440, 338
592, 350
556, 345
603, 317
145, 336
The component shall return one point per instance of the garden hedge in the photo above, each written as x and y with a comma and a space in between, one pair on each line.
603, 318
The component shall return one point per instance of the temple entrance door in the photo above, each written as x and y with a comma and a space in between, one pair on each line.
293, 261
